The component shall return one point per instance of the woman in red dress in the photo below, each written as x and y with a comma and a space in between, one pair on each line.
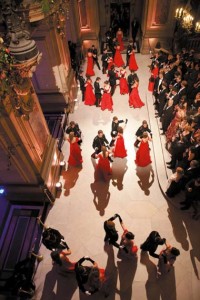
90, 65
119, 147
127, 240
143, 158
103, 170
110, 63
75, 158
154, 74
118, 61
89, 96
134, 98
132, 62
123, 82
119, 37
106, 100
61, 259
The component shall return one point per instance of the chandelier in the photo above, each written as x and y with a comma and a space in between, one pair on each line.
58, 13
179, 13
186, 20
197, 27
184, 17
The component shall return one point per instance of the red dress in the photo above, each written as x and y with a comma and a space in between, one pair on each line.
123, 84
110, 63
89, 96
119, 150
106, 100
90, 65
134, 99
173, 126
118, 61
75, 158
120, 40
154, 75
143, 158
130, 246
103, 169
132, 62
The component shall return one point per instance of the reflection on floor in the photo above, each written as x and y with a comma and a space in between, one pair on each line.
135, 194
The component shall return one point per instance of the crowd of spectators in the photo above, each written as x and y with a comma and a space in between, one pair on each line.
176, 89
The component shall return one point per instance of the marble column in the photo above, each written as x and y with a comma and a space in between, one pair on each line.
158, 24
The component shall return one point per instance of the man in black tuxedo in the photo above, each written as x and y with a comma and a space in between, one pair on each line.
74, 127
177, 83
97, 91
162, 99
135, 25
112, 79
109, 37
161, 58
114, 128
129, 51
175, 96
168, 74
113, 46
192, 172
82, 82
99, 141
158, 86
178, 147
183, 89
132, 77
95, 56
104, 59
167, 115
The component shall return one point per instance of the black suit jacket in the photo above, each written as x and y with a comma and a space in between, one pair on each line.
114, 128
176, 99
82, 82
94, 52
76, 130
99, 142
128, 51
104, 59
162, 101
97, 89
167, 117
112, 77
135, 25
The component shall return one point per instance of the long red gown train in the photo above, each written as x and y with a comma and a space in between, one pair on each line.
123, 85
143, 158
119, 149
89, 97
118, 60
106, 100
103, 170
154, 75
132, 62
120, 41
90, 66
134, 99
75, 157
